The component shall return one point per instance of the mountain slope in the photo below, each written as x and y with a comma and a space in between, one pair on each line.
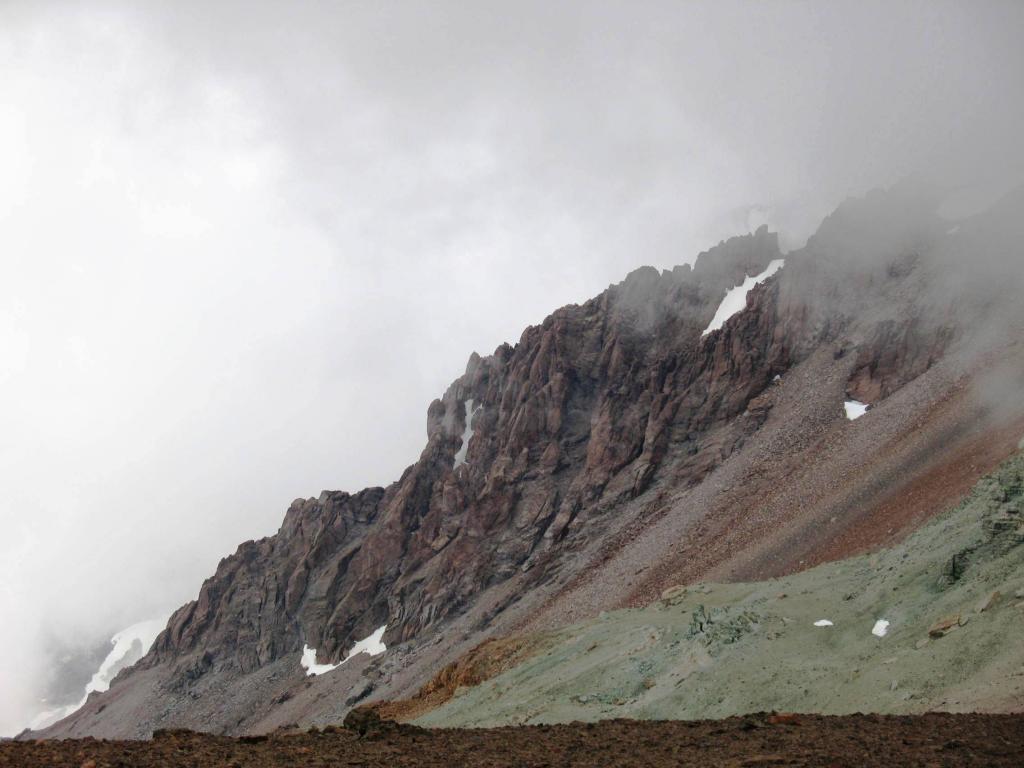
618, 449
930, 624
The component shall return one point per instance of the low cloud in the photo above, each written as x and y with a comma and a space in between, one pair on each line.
244, 245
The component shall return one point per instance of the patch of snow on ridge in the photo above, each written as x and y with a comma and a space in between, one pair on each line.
467, 434
130, 645
372, 645
736, 298
881, 628
823, 623
855, 409
308, 662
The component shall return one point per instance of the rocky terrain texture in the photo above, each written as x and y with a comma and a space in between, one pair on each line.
617, 450
857, 741
951, 597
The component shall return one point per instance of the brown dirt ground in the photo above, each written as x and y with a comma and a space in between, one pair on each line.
755, 740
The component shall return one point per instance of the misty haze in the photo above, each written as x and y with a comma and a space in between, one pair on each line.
401, 369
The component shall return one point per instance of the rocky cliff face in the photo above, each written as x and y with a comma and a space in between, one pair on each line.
577, 415
585, 426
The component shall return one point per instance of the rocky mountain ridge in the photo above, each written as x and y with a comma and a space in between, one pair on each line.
560, 416
606, 421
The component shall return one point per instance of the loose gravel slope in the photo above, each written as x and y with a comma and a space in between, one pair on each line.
951, 597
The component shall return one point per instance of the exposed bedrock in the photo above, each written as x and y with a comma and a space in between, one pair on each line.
587, 425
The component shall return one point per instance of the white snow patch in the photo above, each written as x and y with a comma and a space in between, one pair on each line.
130, 645
736, 298
308, 662
126, 652
823, 623
881, 628
372, 645
467, 434
855, 409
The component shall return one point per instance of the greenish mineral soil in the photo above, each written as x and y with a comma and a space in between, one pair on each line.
953, 594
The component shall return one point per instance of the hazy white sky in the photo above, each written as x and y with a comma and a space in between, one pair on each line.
243, 246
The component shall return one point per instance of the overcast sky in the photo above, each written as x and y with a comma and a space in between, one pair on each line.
242, 247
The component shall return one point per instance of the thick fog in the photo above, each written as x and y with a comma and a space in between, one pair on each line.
243, 245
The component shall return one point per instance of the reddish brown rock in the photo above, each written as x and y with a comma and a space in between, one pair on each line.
944, 626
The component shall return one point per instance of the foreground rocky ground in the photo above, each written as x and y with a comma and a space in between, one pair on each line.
756, 740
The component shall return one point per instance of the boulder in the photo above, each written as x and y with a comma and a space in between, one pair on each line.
944, 626
987, 602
